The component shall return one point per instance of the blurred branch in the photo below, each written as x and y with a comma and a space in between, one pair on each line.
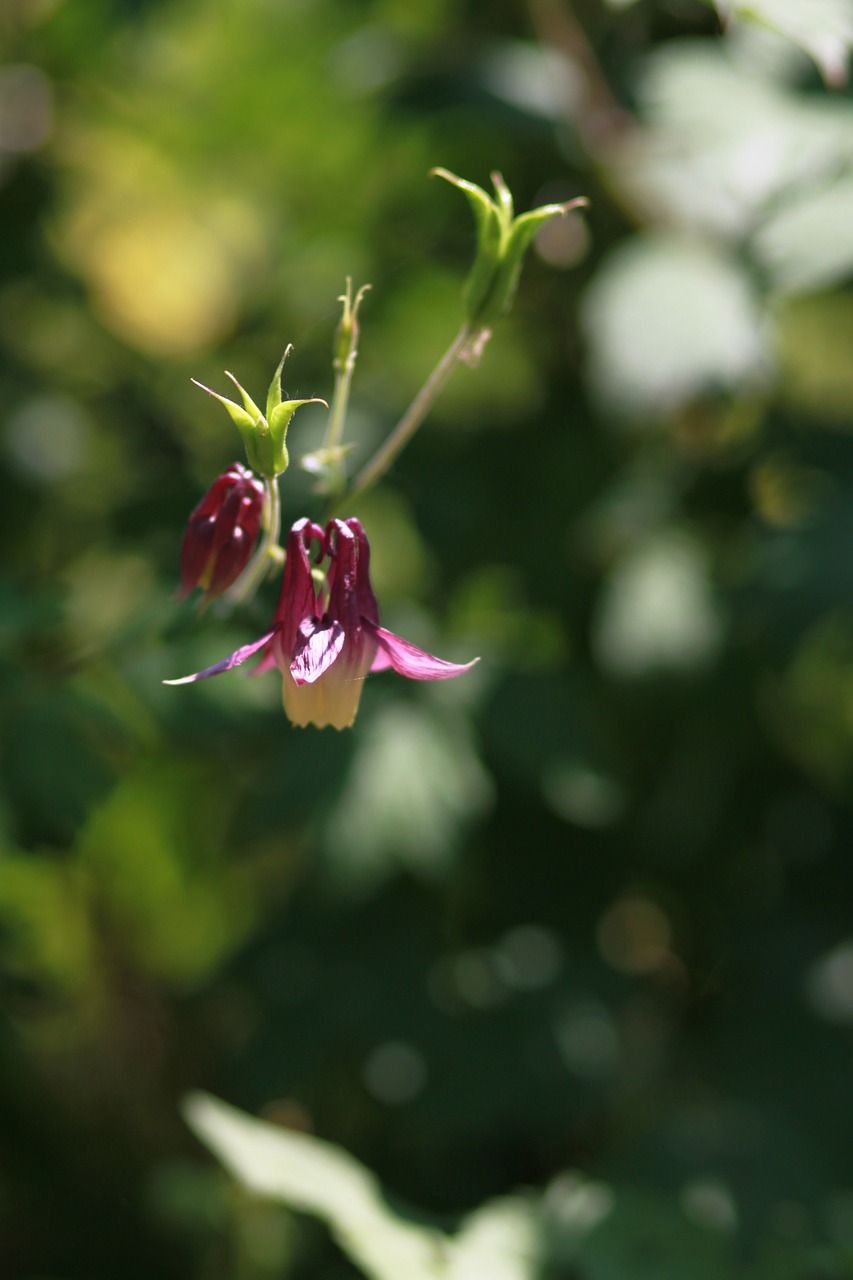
599, 117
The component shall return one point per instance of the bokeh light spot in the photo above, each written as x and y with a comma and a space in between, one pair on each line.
634, 935
533, 955
395, 1073
163, 281
587, 1039
710, 1203
829, 984
48, 437
26, 109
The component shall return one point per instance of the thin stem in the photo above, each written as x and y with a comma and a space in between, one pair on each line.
334, 431
268, 551
340, 401
387, 453
345, 350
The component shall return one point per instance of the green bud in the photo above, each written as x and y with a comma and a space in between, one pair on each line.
345, 347
502, 241
520, 237
264, 437
490, 230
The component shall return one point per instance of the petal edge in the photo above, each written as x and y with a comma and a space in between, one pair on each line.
235, 659
414, 663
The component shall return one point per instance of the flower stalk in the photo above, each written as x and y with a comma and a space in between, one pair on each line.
388, 452
503, 239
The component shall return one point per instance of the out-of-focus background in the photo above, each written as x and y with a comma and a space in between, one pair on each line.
589, 908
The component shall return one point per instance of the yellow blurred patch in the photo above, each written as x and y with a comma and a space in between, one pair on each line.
163, 282
785, 494
167, 264
813, 337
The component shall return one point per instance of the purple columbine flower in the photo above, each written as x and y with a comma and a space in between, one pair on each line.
222, 533
326, 636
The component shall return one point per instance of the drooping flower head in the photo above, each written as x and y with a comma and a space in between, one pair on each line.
326, 635
222, 533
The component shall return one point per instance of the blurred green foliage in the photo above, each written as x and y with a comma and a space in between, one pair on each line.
579, 922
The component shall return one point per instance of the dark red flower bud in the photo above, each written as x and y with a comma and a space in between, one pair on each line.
222, 533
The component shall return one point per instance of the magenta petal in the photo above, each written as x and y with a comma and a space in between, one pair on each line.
235, 659
408, 660
318, 646
381, 662
266, 663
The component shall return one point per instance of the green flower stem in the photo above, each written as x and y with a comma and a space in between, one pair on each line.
387, 453
334, 431
269, 551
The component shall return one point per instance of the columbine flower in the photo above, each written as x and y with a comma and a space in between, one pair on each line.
222, 532
326, 637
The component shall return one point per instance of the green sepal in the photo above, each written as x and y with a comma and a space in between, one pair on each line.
505, 283
502, 241
491, 229
279, 421
240, 417
274, 393
248, 403
256, 438
263, 437
246, 423
504, 196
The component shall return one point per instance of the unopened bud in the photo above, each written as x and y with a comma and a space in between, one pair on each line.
222, 533
345, 347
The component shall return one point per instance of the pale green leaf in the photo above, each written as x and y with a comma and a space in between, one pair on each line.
720, 143
499, 1241
657, 611
822, 28
321, 1179
415, 785
668, 319
806, 244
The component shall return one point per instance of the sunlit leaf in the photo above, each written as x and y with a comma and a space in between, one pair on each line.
669, 318
416, 784
806, 244
319, 1178
502, 1241
657, 610
822, 28
719, 142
